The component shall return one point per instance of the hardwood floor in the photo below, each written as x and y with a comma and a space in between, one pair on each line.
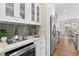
78, 52
66, 47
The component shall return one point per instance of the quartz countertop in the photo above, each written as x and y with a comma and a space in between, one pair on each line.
4, 47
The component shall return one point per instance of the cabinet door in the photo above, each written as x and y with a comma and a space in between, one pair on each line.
22, 10
2, 10
37, 43
12, 12
9, 9
43, 51
37, 10
7, 12
42, 47
32, 12
28, 12
16, 10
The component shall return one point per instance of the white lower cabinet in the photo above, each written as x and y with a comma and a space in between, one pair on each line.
40, 47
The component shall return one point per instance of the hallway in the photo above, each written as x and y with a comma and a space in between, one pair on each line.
66, 47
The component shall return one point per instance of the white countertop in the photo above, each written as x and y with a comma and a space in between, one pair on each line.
4, 47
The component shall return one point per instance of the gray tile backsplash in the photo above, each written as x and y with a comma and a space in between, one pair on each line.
33, 30
9, 28
21, 29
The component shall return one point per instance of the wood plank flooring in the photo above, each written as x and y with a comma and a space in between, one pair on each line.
66, 47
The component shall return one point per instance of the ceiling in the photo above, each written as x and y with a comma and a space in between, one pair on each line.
67, 10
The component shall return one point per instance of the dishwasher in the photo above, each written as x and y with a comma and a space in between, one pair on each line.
27, 50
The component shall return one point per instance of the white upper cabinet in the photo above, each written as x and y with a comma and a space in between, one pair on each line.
9, 9
32, 13
22, 10
9, 12
27, 13
17, 10
37, 13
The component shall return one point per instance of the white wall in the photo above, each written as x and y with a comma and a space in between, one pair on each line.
46, 11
